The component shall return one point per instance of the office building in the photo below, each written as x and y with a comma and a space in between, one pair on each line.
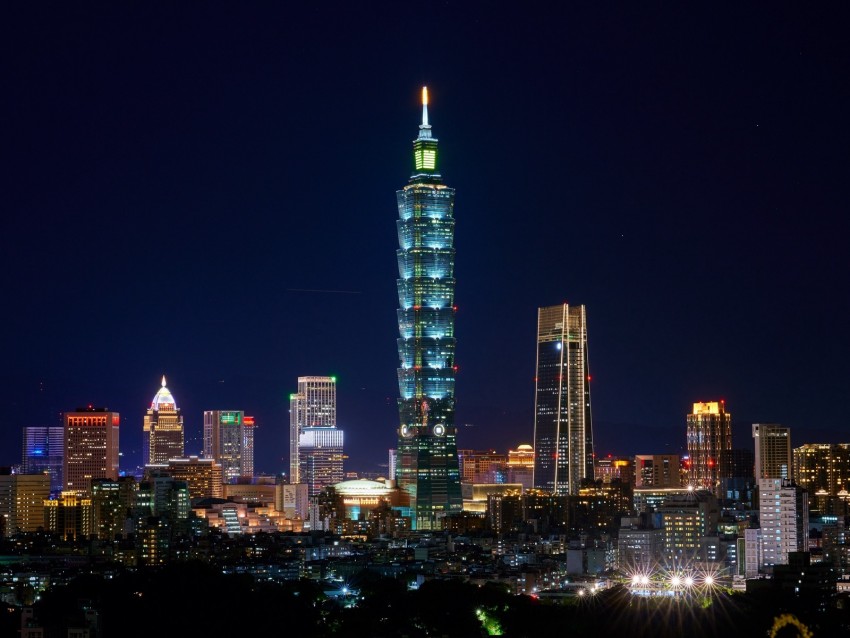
657, 471
784, 520
312, 406
427, 438
482, 466
773, 454
611, 468
162, 438
70, 515
709, 433
229, 441
292, 500
43, 451
91, 447
320, 458
22, 498
563, 432
202, 476
687, 519
163, 496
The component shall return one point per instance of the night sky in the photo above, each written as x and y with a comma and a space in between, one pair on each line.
207, 191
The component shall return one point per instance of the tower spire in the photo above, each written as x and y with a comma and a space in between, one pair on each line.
163, 381
425, 127
425, 106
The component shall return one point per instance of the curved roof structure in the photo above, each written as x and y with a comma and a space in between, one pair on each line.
163, 398
362, 487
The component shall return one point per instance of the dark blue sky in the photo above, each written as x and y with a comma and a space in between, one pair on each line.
175, 176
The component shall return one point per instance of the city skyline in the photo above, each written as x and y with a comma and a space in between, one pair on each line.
215, 205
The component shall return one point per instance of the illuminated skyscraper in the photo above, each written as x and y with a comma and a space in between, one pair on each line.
163, 429
320, 458
773, 451
43, 451
229, 440
91, 447
427, 439
709, 434
563, 429
314, 405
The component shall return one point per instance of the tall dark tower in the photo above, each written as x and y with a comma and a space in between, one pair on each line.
563, 428
427, 439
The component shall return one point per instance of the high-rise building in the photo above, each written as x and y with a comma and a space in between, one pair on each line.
113, 503
563, 429
738, 482
482, 466
657, 470
773, 451
70, 515
392, 462
611, 468
709, 433
292, 500
91, 447
427, 466
162, 495
43, 451
203, 477
248, 429
784, 520
823, 466
312, 406
687, 519
229, 441
320, 458
163, 429
22, 499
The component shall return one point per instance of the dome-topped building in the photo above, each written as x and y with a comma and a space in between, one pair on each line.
163, 399
163, 429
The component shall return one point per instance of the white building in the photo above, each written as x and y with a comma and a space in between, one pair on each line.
784, 519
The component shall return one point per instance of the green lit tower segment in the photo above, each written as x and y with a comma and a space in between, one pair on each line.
427, 439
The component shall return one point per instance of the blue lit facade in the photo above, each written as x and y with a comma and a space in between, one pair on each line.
427, 439
44, 451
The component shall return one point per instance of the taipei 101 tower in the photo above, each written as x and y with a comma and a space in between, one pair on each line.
427, 465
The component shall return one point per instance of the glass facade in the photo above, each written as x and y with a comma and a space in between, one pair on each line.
313, 406
427, 462
563, 431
